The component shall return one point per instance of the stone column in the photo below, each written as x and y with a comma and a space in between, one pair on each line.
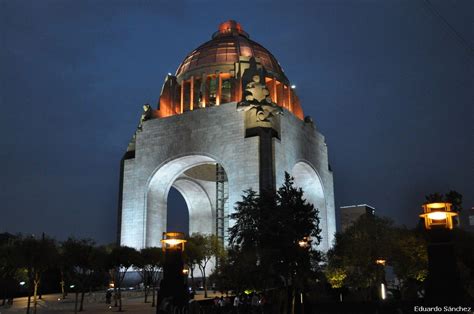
191, 94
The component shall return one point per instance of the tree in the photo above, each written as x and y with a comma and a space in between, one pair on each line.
149, 265
464, 251
245, 238
409, 258
8, 266
356, 250
455, 199
200, 249
191, 255
239, 271
452, 197
245, 233
36, 256
120, 260
266, 237
352, 260
83, 260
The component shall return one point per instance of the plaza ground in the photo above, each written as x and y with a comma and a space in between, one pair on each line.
132, 302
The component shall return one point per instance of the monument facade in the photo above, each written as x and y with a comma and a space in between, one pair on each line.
229, 120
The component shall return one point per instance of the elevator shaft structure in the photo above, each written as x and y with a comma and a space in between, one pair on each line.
222, 212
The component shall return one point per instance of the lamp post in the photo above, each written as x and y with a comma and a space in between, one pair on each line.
173, 287
443, 284
297, 293
380, 262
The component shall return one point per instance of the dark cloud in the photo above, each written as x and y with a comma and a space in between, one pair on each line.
389, 83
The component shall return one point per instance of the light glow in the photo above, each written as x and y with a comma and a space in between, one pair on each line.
293, 86
304, 243
436, 205
382, 290
380, 262
437, 215
22, 283
173, 242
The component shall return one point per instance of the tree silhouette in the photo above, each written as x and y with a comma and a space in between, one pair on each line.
83, 260
120, 260
36, 256
200, 250
149, 264
274, 238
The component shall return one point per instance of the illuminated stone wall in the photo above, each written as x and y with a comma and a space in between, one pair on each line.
167, 147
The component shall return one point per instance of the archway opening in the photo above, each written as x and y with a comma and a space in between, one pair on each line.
203, 185
308, 179
178, 214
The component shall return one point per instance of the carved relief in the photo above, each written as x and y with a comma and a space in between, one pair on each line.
256, 101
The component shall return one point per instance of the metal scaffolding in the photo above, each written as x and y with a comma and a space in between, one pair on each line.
222, 197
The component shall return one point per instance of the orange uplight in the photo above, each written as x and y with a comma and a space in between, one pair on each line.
305, 242
380, 262
438, 215
228, 26
173, 241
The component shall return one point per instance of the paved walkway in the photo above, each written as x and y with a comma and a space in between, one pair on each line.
132, 302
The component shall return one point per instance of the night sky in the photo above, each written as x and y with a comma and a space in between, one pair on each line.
389, 83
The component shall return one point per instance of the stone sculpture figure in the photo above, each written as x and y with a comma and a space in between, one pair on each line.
147, 114
255, 95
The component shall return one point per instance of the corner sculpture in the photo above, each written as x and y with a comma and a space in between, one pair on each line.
147, 114
256, 97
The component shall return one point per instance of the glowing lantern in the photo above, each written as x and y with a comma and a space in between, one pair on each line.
380, 261
305, 242
438, 215
173, 241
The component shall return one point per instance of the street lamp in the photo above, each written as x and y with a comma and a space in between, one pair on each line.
173, 241
381, 276
305, 244
173, 288
443, 283
438, 215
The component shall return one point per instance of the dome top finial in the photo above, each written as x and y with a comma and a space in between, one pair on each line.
228, 28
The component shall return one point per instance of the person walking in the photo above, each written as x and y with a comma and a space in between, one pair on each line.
236, 304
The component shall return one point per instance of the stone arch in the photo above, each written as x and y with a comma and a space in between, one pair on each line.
307, 178
198, 199
199, 203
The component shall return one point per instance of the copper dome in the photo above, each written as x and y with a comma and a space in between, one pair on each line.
211, 75
226, 46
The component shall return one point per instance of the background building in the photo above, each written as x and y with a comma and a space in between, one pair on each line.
349, 214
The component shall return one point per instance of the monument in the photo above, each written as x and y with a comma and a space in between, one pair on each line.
227, 121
